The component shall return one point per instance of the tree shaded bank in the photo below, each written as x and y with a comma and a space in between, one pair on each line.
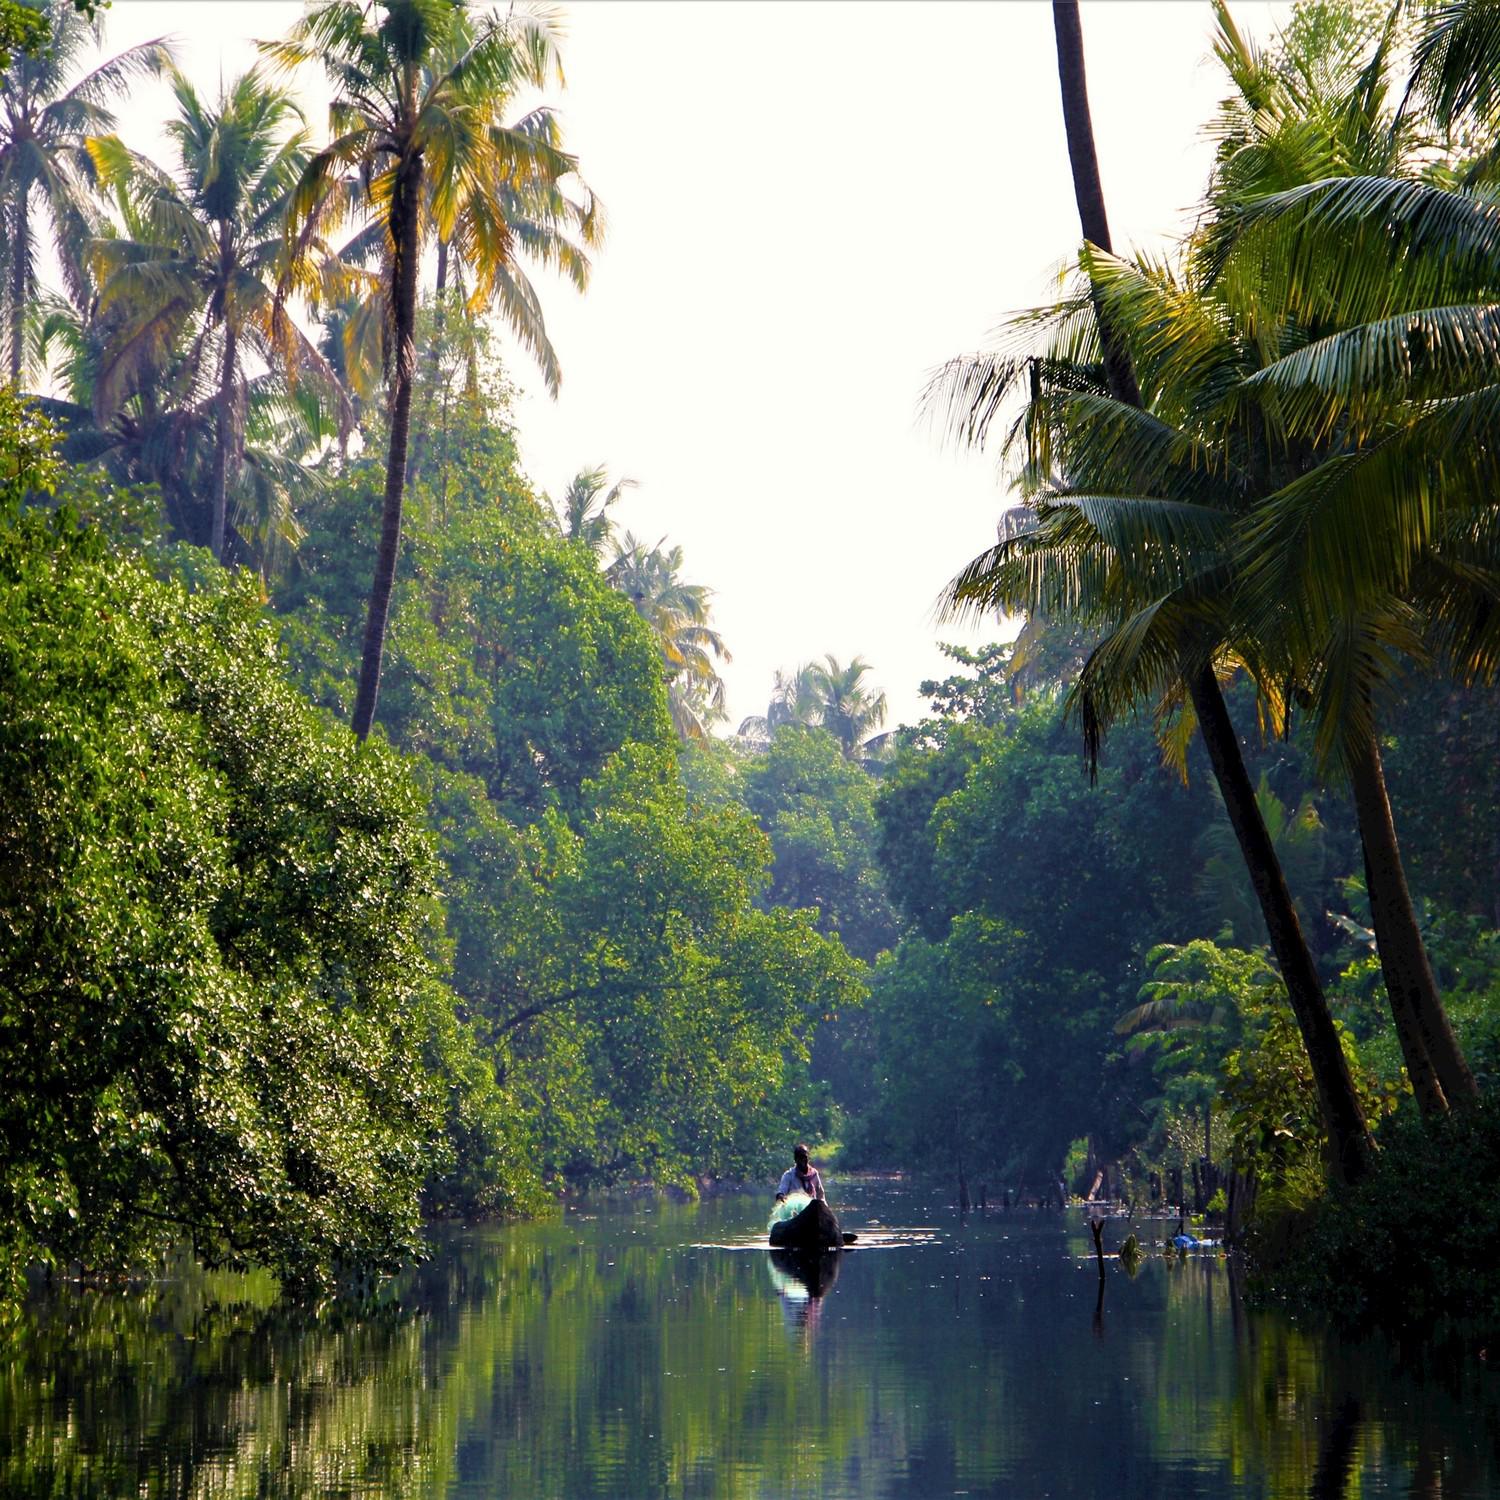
1254, 458
283, 994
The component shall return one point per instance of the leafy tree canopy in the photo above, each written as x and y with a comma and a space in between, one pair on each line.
219, 936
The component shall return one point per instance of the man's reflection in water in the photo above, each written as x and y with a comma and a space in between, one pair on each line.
803, 1278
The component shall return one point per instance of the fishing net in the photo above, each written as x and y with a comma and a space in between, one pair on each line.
788, 1208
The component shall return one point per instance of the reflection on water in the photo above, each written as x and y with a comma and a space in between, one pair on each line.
618, 1354
802, 1275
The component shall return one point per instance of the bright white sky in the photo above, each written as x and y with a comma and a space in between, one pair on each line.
810, 207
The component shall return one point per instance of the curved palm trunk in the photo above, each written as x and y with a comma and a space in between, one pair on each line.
1348, 1134
1349, 1137
405, 207
1088, 189
1439, 1073
21, 251
225, 429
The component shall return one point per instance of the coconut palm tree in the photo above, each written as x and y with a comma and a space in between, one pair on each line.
45, 124
165, 434
202, 277
1160, 614
793, 701
843, 704
414, 129
1322, 105
1386, 551
678, 614
584, 512
551, 214
1148, 528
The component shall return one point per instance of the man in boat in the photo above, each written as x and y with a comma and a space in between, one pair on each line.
800, 1177
815, 1228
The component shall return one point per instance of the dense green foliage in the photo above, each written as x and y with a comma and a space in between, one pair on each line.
647, 1016
510, 657
219, 923
1411, 1247
278, 992
1037, 890
1084, 962
283, 989
819, 811
22, 29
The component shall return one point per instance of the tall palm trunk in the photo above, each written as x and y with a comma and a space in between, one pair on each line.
225, 430
425, 422
1348, 1134
21, 251
1441, 1068
225, 427
406, 205
1088, 188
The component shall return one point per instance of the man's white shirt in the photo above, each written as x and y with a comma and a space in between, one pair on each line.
812, 1184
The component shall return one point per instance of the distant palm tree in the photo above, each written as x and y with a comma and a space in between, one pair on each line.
824, 695
583, 514
204, 272
45, 124
845, 707
792, 702
165, 434
416, 147
678, 614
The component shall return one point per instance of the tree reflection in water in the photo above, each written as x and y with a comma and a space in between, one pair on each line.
612, 1357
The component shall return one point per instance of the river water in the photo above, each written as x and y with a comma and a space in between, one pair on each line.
652, 1349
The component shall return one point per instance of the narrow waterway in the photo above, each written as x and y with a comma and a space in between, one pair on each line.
649, 1350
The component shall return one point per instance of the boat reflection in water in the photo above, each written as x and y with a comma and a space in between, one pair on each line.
803, 1278
804, 1274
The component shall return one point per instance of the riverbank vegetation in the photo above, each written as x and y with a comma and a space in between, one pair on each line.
272, 986
375, 848
1263, 458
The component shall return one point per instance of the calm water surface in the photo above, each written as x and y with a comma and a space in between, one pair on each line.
646, 1351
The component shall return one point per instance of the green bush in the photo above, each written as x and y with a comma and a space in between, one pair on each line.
218, 927
1413, 1243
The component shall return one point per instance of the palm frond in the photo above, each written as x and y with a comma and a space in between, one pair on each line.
1456, 62
1354, 378
1361, 248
